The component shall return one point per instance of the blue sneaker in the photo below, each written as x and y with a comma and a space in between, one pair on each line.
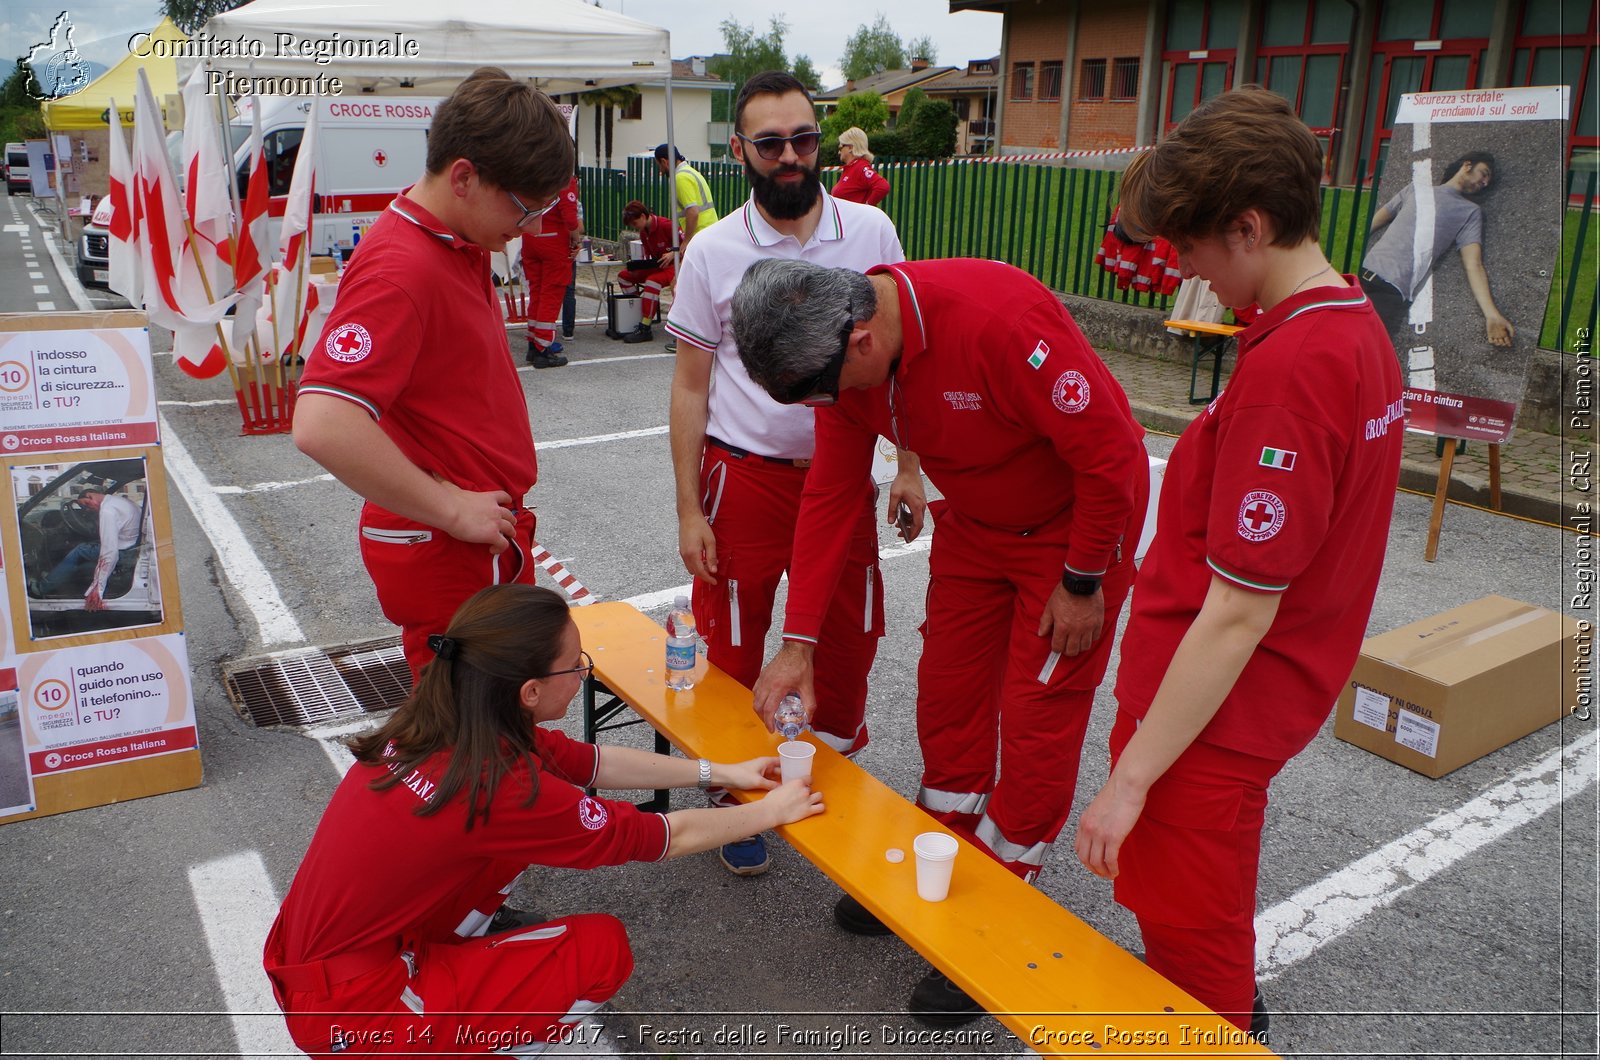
554, 348
748, 857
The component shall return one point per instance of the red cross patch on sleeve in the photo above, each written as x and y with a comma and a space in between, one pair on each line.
1261, 515
348, 343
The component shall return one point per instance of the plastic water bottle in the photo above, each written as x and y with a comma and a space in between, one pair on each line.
355, 234
791, 716
681, 640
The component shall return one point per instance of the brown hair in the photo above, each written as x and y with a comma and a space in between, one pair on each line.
508, 129
766, 83
1242, 149
468, 700
635, 210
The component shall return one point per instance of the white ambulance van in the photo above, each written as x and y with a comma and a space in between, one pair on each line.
369, 147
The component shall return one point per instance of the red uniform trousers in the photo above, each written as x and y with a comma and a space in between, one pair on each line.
653, 281
1189, 867
753, 505
985, 683
547, 266
422, 574
516, 991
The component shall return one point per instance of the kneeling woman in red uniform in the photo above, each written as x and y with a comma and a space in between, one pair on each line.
386, 941
1271, 530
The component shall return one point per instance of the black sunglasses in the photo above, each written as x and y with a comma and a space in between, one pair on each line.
822, 389
771, 147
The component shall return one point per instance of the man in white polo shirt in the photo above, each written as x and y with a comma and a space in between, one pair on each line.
739, 457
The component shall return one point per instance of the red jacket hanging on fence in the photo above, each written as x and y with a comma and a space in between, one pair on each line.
1151, 266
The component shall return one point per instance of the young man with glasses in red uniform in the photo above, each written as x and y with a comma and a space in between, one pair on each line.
740, 458
410, 397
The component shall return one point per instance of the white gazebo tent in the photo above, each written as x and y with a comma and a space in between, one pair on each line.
422, 46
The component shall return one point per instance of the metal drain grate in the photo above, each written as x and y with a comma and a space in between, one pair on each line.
308, 686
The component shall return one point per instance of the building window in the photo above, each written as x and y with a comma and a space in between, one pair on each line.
1050, 81
633, 110
1092, 80
1125, 79
1022, 81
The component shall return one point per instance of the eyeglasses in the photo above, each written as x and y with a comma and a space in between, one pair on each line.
588, 664
822, 389
771, 147
528, 215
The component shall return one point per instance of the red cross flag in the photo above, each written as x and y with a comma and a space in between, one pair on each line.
125, 268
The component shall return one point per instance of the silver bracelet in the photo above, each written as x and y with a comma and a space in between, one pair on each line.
705, 773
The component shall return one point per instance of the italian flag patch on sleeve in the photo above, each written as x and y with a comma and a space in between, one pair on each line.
1040, 352
1282, 459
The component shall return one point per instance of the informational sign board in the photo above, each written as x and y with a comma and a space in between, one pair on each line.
96, 704
1458, 263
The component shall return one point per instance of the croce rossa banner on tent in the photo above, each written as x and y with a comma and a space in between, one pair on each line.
95, 699
1458, 262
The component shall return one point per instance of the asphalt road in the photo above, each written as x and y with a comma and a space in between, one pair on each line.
1410, 917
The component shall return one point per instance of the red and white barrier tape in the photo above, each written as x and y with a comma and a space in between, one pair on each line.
563, 577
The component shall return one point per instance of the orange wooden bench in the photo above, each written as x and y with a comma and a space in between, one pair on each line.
1210, 340
1055, 982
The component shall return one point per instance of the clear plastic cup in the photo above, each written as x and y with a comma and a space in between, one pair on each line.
936, 859
795, 758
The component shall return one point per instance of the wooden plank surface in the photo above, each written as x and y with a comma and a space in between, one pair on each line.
1058, 984
1203, 327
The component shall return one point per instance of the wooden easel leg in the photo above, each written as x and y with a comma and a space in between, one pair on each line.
1436, 520
1494, 475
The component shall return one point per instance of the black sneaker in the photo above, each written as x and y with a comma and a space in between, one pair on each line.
1260, 1020
543, 358
642, 333
940, 1003
854, 918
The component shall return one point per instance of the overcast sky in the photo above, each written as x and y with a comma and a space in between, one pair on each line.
817, 28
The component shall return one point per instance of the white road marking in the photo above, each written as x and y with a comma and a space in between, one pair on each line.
47, 307
69, 278
236, 902
1297, 926
270, 487
35, 275
239, 562
606, 360
203, 403
41, 288
594, 439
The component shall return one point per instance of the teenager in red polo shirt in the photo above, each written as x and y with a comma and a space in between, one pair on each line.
1270, 538
387, 940
979, 369
410, 396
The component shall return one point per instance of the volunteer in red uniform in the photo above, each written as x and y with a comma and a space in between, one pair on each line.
547, 256
386, 941
859, 182
979, 368
1270, 538
740, 459
655, 232
410, 396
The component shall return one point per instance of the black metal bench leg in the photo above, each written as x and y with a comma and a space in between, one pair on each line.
592, 724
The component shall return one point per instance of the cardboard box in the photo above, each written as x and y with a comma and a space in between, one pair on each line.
1447, 690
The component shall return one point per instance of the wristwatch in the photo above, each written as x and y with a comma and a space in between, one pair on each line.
1078, 584
705, 773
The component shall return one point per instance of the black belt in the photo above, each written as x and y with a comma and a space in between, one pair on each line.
1368, 274
742, 454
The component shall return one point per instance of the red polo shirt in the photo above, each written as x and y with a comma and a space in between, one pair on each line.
417, 339
1014, 416
1284, 485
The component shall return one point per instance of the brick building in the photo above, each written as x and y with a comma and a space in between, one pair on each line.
1095, 74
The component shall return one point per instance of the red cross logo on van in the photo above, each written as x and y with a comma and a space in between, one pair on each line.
379, 157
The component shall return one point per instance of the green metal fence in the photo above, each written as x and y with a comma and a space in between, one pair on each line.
1049, 220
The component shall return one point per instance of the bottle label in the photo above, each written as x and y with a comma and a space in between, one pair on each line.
680, 656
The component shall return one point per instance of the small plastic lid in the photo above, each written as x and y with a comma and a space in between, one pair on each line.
894, 855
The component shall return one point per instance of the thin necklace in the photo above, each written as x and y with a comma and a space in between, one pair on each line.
1308, 279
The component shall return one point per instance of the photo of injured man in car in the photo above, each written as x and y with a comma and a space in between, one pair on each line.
90, 544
